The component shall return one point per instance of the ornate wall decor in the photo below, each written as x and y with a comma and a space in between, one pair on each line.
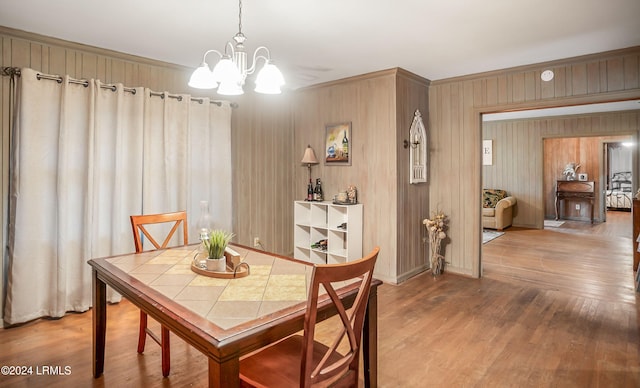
418, 150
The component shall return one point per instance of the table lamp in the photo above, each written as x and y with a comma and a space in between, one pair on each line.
309, 158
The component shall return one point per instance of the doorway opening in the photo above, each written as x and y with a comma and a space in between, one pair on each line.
519, 165
617, 163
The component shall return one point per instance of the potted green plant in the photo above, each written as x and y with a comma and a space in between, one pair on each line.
215, 246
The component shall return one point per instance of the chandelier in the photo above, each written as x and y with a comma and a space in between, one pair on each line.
231, 71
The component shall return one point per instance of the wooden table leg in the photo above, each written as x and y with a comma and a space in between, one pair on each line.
99, 323
225, 374
370, 341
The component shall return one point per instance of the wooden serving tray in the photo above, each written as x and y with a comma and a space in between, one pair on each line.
235, 267
240, 271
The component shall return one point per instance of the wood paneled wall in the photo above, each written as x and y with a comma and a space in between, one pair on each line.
517, 166
263, 164
380, 108
413, 199
455, 107
528, 171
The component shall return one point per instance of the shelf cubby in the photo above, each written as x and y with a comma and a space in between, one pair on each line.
340, 225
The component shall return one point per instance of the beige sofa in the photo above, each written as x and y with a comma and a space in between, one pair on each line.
500, 215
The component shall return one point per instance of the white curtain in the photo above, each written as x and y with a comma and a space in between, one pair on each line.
183, 167
84, 158
209, 164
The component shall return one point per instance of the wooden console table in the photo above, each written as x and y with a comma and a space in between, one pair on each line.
577, 190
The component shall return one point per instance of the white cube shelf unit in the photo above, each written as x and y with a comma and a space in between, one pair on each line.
315, 221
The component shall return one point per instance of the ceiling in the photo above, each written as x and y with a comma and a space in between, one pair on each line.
319, 41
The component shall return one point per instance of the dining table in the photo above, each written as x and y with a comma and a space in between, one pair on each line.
224, 318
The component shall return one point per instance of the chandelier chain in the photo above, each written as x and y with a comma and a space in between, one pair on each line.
240, 16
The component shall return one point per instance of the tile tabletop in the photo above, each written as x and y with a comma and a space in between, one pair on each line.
273, 283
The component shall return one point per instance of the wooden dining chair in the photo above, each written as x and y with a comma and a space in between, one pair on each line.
305, 361
140, 234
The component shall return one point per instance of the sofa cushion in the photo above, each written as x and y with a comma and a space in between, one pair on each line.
489, 212
490, 197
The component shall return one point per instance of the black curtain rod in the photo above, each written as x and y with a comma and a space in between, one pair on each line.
14, 71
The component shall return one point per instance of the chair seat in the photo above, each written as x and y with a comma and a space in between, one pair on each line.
279, 365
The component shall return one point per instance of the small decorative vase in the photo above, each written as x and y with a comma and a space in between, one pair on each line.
218, 265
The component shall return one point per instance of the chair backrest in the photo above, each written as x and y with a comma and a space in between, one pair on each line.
352, 320
138, 225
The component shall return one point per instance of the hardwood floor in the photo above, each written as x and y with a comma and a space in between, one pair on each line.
555, 308
577, 257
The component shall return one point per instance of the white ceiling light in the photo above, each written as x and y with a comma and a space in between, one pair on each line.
231, 71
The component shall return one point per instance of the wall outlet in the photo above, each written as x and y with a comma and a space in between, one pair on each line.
577, 206
256, 241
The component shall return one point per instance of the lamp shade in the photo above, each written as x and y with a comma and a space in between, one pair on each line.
309, 156
226, 71
269, 79
202, 78
230, 88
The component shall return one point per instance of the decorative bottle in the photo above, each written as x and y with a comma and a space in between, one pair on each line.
317, 192
204, 228
310, 191
345, 145
204, 222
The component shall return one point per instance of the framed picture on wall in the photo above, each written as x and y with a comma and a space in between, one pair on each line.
337, 149
487, 152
